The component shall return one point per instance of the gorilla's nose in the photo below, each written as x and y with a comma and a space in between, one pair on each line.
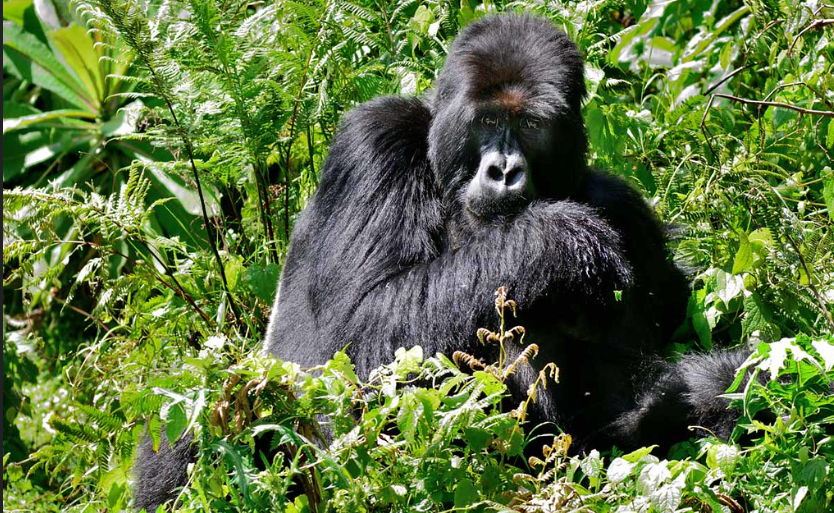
504, 174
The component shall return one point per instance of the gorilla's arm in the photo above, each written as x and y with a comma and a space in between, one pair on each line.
441, 303
367, 262
684, 394
159, 474
661, 290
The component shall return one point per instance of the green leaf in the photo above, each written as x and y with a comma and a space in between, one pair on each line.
13, 10
408, 417
175, 422
700, 323
743, 261
476, 438
115, 477
758, 317
722, 456
726, 54
155, 431
78, 51
728, 286
422, 19
492, 385
407, 361
24, 55
639, 454
761, 238
15, 148
626, 50
233, 267
783, 116
465, 494
263, 281
237, 462
12, 124
595, 123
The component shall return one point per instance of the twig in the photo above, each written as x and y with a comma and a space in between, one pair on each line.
383, 11
704, 129
817, 140
812, 26
826, 113
728, 77
780, 87
813, 89
820, 95
179, 290
88, 315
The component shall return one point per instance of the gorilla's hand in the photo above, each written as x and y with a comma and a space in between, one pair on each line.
576, 247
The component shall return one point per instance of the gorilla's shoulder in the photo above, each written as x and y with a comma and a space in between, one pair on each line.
609, 191
379, 153
390, 120
379, 140
625, 207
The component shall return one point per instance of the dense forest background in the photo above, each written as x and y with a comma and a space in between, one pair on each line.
157, 152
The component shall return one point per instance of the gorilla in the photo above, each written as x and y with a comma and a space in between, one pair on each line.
427, 205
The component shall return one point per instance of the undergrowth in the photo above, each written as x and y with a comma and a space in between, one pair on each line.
156, 154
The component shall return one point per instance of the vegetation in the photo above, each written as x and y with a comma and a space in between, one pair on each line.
156, 154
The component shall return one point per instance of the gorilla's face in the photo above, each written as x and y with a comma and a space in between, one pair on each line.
508, 143
506, 125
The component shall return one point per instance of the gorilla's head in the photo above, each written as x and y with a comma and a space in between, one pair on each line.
507, 126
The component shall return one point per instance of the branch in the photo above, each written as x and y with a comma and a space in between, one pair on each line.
826, 113
728, 77
812, 26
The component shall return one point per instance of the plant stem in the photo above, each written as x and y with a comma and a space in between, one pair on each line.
210, 228
826, 113
293, 120
249, 140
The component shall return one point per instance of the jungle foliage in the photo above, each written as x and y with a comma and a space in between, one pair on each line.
157, 152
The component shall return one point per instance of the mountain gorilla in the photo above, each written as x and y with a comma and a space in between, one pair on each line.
427, 205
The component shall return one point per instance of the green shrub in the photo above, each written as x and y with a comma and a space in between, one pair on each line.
134, 295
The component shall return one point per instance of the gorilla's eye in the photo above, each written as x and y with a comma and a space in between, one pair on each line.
489, 120
531, 122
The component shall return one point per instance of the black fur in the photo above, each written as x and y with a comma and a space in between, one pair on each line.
402, 245
160, 474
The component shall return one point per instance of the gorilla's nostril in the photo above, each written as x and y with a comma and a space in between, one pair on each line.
494, 173
514, 176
